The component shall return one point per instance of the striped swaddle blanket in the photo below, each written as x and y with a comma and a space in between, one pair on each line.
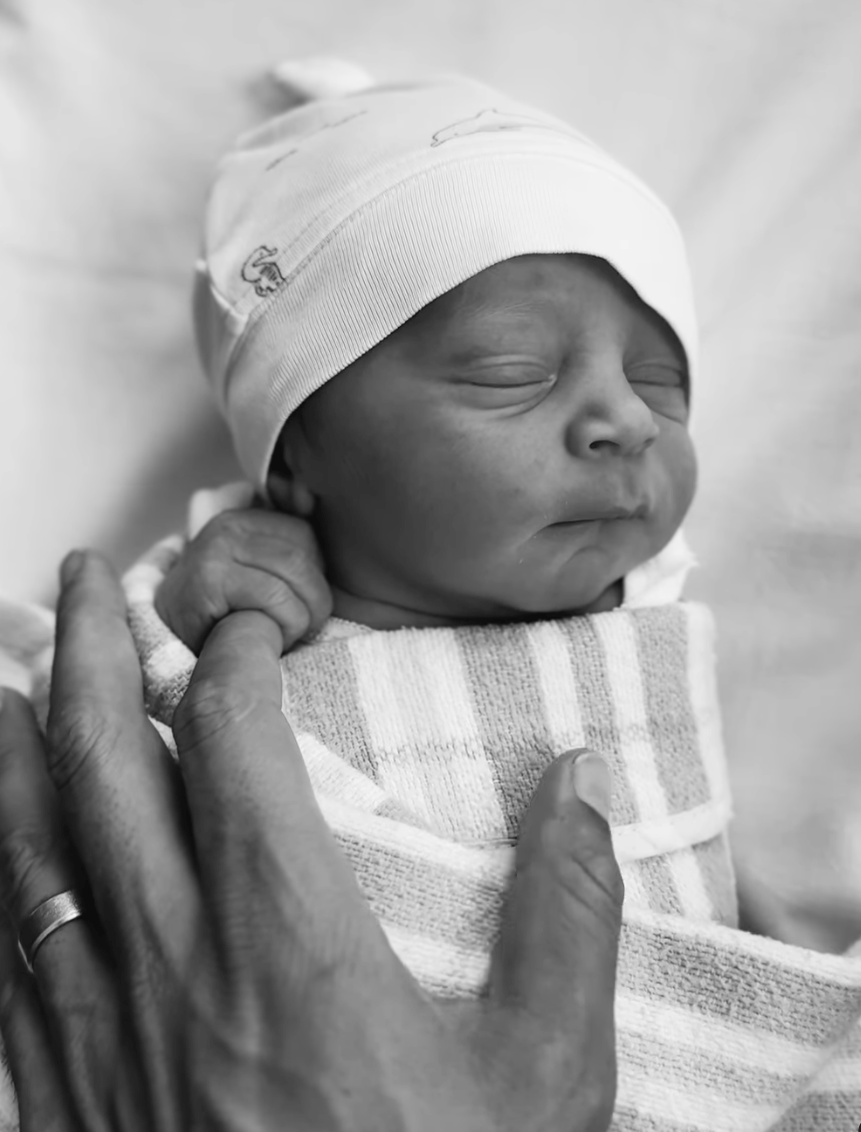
424, 748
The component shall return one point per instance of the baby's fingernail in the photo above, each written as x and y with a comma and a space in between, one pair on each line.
71, 565
2, 695
593, 782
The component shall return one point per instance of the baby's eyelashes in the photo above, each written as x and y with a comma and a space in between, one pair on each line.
666, 398
513, 384
656, 373
501, 376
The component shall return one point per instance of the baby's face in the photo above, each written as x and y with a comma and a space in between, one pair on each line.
513, 450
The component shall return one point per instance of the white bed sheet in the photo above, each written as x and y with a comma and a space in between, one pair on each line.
745, 116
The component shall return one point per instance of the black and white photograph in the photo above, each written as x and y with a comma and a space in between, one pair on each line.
430, 566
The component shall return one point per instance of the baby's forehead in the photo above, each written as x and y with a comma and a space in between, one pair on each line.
512, 286
539, 292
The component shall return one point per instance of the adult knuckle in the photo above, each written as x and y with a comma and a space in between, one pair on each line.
592, 878
580, 859
78, 734
606, 875
591, 854
23, 851
208, 707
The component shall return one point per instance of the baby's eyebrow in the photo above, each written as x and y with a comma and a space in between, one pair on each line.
469, 355
516, 339
488, 357
665, 361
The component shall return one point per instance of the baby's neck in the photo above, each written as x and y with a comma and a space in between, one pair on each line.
376, 614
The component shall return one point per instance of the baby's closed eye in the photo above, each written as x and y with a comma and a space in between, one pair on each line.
663, 386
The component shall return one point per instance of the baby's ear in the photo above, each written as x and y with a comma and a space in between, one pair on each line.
287, 490
290, 496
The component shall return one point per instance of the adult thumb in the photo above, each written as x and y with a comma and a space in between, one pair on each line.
556, 957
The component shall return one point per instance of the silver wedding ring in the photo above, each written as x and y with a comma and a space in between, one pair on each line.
45, 919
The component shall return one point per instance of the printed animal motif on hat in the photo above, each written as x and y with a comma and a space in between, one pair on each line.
261, 269
493, 121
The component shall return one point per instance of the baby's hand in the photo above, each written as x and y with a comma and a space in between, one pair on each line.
249, 559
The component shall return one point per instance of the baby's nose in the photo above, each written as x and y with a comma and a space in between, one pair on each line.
612, 420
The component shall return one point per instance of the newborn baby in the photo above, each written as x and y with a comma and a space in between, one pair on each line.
513, 450
456, 338
455, 343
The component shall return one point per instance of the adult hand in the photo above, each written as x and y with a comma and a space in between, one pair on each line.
228, 973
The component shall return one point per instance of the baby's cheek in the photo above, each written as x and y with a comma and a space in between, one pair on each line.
682, 467
675, 484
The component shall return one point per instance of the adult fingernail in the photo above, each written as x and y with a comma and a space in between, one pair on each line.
593, 782
71, 565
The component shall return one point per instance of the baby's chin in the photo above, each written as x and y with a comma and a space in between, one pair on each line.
591, 581
588, 577
611, 597
601, 598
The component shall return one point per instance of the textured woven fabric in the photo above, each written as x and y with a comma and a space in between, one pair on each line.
424, 747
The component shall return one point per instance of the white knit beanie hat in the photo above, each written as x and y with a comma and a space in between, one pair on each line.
332, 224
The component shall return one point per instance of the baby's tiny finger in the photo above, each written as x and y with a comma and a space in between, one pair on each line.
309, 583
253, 588
298, 579
185, 609
286, 604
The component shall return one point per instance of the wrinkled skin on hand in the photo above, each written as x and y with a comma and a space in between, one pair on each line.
229, 974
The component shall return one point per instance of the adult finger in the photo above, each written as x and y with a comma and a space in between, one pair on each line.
255, 819
36, 858
106, 758
555, 965
36, 862
40, 1088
